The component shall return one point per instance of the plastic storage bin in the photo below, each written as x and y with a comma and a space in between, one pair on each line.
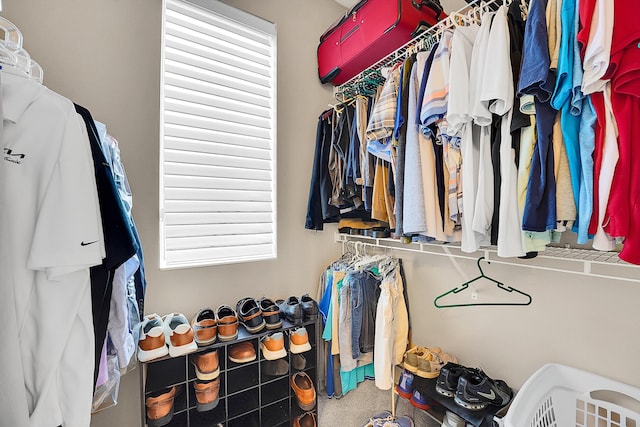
562, 396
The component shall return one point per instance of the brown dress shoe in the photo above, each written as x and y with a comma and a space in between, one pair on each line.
308, 419
302, 385
207, 394
205, 327
160, 407
227, 323
242, 352
207, 365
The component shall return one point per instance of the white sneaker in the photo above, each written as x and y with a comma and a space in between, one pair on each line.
178, 334
151, 340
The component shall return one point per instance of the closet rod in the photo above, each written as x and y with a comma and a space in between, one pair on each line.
588, 258
348, 88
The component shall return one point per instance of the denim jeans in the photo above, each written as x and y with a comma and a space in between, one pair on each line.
347, 362
365, 291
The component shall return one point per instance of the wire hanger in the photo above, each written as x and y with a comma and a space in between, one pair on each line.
465, 285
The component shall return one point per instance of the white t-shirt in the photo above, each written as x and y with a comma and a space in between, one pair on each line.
602, 241
483, 210
598, 51
51, 236
461, 125
498, 91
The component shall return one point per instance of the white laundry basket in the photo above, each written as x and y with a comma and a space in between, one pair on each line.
561, 396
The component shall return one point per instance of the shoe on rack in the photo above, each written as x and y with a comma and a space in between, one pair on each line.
430, 364
270, 313
379, 419
419, 400
178, 334
207, 365
250, 315
308, 419
299, 341
298, 361
205, 327
411, 356
405, 384
291, 310
309, 307
275, 368
227, 323
207, 394
151, 342
304, 390
160, 407
273, 346
476, 391
447, 381
242, 352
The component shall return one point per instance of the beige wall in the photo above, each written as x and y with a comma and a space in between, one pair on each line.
104, 54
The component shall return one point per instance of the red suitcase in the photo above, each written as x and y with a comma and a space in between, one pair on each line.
370, 31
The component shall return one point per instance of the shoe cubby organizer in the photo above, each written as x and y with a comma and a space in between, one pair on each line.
248, 396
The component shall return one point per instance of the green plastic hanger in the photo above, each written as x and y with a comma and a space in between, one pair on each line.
465, 285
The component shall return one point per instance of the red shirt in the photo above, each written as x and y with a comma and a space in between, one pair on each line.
586, 10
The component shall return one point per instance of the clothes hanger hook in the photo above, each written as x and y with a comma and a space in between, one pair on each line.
479, 267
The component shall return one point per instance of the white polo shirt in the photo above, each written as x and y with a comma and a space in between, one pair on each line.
51, 235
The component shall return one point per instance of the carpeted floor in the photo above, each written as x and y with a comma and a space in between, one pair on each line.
356, 407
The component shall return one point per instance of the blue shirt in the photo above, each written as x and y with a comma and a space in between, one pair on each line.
563, 95
587, 145
537, 80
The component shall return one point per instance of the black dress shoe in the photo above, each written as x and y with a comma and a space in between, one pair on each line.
309, 307
291, 310
250, 315
270, 313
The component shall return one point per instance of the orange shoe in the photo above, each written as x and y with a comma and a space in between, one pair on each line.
227, 323
299, 341
207, 394
207, 365
178, 334
151, 341
302, 385
273, 346
242, 352
205, 327
160, 407
308, 419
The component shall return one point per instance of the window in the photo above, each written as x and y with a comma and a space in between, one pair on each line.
218, 136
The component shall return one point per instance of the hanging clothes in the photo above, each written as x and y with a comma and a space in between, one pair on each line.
517, 132
367, 320
52, 235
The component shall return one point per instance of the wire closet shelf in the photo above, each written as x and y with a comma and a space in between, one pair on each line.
588, 262
423, 41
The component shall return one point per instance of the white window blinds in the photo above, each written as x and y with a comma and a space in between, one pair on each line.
218, 136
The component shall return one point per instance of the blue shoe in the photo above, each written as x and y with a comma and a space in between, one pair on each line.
405, 385
420, 401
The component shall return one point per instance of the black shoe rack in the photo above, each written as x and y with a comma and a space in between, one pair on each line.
439, 404
248, 397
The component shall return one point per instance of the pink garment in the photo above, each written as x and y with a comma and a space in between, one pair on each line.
103, 372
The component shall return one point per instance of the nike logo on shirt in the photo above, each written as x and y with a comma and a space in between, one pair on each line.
90, 243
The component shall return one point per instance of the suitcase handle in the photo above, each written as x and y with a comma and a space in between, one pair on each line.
431, 4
